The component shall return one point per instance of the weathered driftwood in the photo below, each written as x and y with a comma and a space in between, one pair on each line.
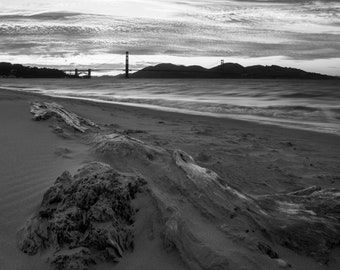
45, 110
215, 226
306, 221
84, 219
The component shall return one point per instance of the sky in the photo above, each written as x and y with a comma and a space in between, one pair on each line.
96, 33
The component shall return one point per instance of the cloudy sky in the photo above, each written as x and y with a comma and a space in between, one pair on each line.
96, 33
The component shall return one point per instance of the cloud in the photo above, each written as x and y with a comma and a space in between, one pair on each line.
41, 16
298, 30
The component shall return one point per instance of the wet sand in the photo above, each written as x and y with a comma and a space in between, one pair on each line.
255, 158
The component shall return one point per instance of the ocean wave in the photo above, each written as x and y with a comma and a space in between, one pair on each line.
299, 112
270, 101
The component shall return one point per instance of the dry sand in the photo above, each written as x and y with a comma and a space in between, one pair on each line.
255, 158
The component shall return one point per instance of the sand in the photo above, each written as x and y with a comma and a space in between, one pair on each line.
254, 158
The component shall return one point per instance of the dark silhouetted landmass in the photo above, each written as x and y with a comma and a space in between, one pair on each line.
20, 71
227, 70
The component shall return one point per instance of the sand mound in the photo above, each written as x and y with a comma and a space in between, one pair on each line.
84, 219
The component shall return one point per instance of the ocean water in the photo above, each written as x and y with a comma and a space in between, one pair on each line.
303, 104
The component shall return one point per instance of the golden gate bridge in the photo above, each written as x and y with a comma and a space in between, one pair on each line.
87, 73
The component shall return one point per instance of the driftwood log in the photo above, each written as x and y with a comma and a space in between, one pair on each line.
195, 202
45, 110
306, 221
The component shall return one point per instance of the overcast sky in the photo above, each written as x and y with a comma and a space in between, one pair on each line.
96, 33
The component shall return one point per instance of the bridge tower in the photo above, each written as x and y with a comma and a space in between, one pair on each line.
127, 65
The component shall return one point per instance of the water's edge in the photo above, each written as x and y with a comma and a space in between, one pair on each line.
299, 125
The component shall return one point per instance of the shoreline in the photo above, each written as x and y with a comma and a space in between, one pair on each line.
254, 158
261, 120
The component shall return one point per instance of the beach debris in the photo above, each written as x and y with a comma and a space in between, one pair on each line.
267, 249
45, 110
194, 200
84, 219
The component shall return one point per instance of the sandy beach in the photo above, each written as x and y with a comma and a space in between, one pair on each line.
253, 158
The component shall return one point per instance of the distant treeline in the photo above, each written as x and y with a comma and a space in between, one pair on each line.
20, 71
226, 71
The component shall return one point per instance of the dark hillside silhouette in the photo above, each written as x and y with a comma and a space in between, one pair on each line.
170, 71
227, 70
20, 71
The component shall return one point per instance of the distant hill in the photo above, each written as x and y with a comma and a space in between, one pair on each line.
171, 71
20, 71
227, 70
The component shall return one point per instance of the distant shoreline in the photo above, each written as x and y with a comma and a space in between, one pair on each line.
171, 71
